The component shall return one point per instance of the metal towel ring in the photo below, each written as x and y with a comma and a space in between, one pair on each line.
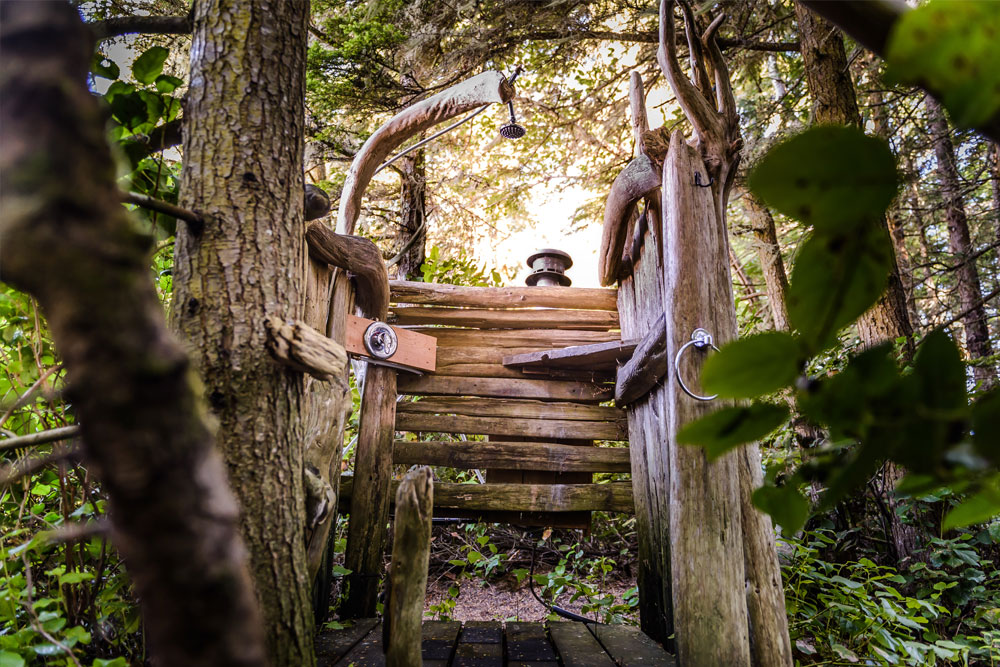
701, 339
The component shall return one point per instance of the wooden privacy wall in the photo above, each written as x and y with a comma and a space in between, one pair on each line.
540, 411
526, 367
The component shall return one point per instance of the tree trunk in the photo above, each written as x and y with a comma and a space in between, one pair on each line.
893, 219
243, 151
769, 252
995, 186
834, 101
412, 236
970, 294
65, 237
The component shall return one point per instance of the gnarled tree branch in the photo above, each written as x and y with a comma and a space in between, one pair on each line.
130, 25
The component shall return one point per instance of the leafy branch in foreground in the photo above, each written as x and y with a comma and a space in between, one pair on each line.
872, 411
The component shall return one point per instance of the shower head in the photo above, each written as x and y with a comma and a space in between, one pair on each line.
512, 130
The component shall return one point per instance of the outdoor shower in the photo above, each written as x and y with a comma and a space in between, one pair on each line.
511, 130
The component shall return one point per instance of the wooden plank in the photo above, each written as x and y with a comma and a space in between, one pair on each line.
411, 548
500, 407
527, 428
482, 632
434, 294
553, 390
480, 645
415, 350
332, 645
577, 647
367, 530
640, 297
439, 639
646, 367
611, 497
515, 338
498, 370
528, 642
589, 357
628, 646
366, 653
477, 318
512, 456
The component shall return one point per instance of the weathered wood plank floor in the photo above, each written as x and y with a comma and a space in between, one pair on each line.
494, 644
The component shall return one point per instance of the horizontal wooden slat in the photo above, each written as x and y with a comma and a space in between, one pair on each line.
513, 456
552, 390
594, 356
403, 291
611, 497
548, 318
524, 428
500, 407
501, 371
515, 338
488, 362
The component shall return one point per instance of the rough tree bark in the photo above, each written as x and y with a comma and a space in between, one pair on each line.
834, 101
412, 233
970, 293
769, 252
65, 237
243, 159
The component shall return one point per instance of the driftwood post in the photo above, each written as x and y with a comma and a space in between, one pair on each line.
411, 551
368, 527
724, 568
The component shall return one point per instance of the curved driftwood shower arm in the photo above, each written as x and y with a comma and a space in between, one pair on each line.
641, 178
361, 258
470, 94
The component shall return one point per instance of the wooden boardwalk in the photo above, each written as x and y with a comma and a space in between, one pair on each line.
493, 644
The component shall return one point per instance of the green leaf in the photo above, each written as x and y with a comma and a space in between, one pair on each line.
941, 373
753, 366
724, 429
785, 504
104, 67
986, 425
975, 509
835, 178
8, 659
149, 65
168, 84
952, 48
116, 662
836, 278
474, 557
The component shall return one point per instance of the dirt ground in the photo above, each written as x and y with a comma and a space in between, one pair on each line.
503, 600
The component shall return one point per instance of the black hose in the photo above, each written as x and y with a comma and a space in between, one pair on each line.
565, 613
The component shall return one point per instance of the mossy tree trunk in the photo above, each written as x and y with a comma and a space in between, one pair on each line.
243, 172
66, 238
